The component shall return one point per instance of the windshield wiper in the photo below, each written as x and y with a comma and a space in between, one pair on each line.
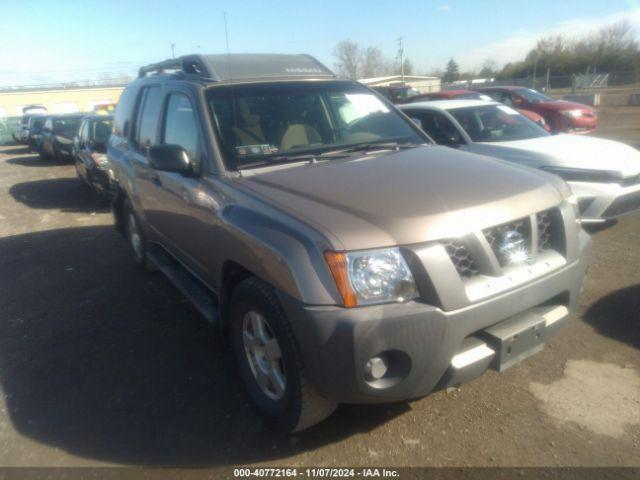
364, 147
337, 153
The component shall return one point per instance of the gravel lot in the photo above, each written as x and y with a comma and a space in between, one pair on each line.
101, 364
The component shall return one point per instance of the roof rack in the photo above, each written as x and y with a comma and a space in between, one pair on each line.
188, 64
243, 66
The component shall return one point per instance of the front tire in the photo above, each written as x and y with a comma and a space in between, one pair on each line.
269, 360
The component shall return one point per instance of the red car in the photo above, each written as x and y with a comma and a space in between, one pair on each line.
471, 95
562, 116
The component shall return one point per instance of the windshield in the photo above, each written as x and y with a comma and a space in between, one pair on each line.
496, 123
66, 126
256, 122
406, 92
37, 123
102, 130
531, 95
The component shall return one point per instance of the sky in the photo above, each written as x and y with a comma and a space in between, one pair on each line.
68, 40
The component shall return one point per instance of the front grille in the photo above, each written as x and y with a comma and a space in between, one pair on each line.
550, 237
623, 205
495, 234
545, 230
461, 258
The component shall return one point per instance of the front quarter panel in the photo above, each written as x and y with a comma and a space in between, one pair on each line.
274, 246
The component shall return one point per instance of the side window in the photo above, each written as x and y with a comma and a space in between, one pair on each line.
495, 95
124, 109
147, 120
438, 127
180, 126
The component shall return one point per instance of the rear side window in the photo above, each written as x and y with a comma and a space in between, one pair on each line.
124, 109
438, 126
148, 113
180, 127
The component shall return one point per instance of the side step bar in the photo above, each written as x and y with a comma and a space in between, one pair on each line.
187, 284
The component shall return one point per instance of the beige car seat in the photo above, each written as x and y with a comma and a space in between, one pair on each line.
248, 130
299, 135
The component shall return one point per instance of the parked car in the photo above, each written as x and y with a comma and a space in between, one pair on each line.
90, 152
471, 95
397, 93
346, 258
8, 127
603, 174
560, 115
21, 134
34, 131
58, 134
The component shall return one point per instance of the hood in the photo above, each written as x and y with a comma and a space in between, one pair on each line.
402, 198
561, 105
577, 151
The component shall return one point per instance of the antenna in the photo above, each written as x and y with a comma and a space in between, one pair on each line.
401, 54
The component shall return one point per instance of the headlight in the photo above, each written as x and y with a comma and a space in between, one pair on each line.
372, 276
572, 113
573, 201
582, 175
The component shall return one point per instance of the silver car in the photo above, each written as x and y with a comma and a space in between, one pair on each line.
603, 174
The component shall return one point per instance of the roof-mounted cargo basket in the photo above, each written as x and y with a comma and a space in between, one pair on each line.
246, 66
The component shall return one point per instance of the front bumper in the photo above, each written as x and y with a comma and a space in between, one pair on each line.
601, 202
336, 343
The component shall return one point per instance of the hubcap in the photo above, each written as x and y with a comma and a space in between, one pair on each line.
134, 237
264, 355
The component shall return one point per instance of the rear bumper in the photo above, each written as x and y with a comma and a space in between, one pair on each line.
421, 340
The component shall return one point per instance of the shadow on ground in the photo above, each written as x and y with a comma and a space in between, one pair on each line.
15, 150
33, 160
65, 194
105, 362
618, 315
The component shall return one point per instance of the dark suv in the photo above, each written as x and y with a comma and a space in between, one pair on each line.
347, 258
90, 152
58, 133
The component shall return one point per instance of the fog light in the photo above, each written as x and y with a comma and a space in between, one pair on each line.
375, 368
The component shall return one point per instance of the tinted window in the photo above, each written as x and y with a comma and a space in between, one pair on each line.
124, 108
147, 121
180, 127
532, 96
66, 126
496, 123
438, 126
100, 130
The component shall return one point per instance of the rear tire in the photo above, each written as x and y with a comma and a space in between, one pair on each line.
280, 389
134, 234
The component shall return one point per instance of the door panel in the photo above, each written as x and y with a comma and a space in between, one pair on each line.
178, 197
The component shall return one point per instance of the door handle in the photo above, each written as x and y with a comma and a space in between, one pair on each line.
156, 181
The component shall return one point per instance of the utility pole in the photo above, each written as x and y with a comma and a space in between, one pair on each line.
401, 55
535, 71
173, 51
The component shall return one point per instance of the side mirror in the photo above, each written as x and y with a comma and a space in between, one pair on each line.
417, 122
170, 158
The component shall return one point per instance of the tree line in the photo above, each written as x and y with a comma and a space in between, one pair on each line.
613, 48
